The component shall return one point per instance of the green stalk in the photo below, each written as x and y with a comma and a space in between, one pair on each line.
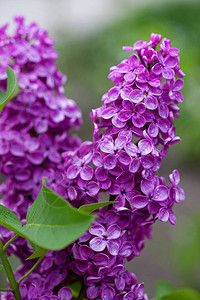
31, 270
13, 283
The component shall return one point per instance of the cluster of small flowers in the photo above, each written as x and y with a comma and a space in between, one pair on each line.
136, 122
34, 126
132, 133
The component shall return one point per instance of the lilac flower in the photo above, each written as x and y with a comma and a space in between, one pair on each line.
105, 238
152, 193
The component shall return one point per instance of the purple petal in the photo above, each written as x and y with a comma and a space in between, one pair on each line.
179, 97
98, 244
85, 252
126, 249
65, 294
134, 165
138, 120
178, 85
100, 259
113, 93
151, 102
101, 174
168, 73
73, 171
86, 173
137, 96
120, 283
172, 217
124, 177
174, 178
163, 124
113, 246
110, 161
145, 147
113, 232
153, 130
163, 214
17, 149
108, 293
157, 69
147, 187
108, 112
163, 110
160, 193
120, 142
92, 188
92, 292
36, 157
124, 158
72, 193
139, 201
133, 61
125, 92
97, 230
131, 149
148, 161
140, 108
124, 115
117, 123
107, 146
170, 61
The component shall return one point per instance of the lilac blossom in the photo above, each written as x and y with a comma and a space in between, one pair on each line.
132, 133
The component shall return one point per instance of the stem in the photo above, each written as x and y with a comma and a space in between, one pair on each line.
31, 270
9, 242
6, 290
81, 295
13, 283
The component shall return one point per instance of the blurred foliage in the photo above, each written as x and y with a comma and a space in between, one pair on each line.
186, 251
87, 62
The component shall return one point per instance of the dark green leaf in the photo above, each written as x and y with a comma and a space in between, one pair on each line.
38, 253
89, 208
163, 288
186, 294
12, 88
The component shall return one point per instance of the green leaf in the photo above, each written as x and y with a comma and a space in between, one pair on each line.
39, 252
1, 267
186, 294
163, 288
89, 208
52, 223
9, 220
12, 88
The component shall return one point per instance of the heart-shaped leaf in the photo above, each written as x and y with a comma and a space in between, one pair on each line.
89, 208
12, 88
52, 223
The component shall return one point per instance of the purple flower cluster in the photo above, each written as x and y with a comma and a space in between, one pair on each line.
34, 126
133, 130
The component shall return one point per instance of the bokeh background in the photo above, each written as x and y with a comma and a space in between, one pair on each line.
89, 36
